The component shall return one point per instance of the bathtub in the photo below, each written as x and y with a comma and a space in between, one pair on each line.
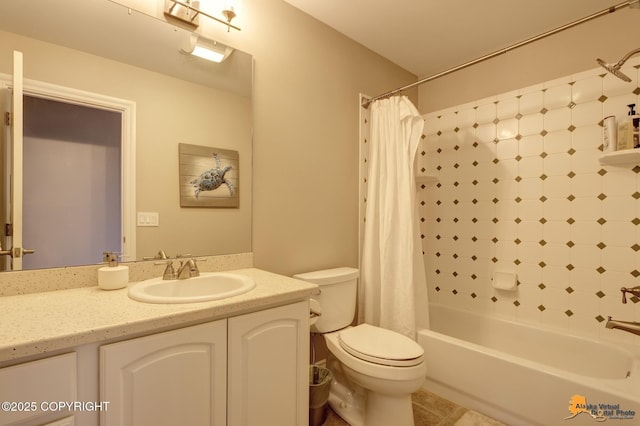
524, 375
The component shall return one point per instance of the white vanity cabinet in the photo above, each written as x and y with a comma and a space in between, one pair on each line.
250, 369
30, 392
177, 377
268, 367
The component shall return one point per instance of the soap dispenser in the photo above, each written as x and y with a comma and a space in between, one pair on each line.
113, 276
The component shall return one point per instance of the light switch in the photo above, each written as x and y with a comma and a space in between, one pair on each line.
148, 219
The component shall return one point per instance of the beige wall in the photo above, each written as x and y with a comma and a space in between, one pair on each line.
306, 138
571, 51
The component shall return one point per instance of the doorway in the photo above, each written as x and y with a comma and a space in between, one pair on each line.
72, 183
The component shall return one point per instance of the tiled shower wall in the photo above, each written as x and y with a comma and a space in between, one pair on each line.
520, 188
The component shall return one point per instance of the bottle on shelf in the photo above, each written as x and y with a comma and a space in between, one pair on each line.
628, 133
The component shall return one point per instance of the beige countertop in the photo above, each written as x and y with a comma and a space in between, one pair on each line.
38, 323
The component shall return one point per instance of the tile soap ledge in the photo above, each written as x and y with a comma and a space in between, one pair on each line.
625, 156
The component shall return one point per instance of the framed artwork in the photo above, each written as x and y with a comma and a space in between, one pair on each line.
209, 177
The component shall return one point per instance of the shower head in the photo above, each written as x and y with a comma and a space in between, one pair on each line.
615, 68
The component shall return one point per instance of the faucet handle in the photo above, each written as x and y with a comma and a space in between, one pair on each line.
169, 272
188, 261
195, 261
160, 256
633, 290
111, 257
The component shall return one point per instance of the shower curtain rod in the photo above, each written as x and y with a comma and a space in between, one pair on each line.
366, 102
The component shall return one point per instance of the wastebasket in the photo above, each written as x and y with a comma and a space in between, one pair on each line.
319, 384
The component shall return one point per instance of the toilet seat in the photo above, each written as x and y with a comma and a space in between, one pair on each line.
380, 346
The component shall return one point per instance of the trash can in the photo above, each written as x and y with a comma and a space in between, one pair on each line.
319, 384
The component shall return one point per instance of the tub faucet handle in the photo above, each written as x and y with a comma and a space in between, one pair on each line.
634, 290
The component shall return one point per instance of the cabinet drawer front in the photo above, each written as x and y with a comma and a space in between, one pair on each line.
27, 386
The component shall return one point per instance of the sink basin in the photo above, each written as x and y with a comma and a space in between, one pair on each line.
208, 286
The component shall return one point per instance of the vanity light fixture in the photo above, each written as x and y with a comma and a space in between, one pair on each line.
207, 49
188, 12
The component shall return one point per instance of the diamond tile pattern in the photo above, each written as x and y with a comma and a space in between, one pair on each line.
528, 195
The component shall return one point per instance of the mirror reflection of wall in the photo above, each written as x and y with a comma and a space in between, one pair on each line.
169, 111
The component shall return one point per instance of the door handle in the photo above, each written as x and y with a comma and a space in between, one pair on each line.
16, 252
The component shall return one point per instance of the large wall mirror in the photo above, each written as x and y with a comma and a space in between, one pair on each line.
103, 48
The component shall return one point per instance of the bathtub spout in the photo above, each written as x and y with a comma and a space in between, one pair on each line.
628, 326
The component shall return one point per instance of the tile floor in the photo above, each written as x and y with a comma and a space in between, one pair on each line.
430, 409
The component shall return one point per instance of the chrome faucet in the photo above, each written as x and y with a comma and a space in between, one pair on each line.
628, 326
634, 290
191, 266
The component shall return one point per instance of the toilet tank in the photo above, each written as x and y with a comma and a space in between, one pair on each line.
337, 298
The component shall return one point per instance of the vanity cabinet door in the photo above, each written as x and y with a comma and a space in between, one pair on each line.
268, 367
172, 378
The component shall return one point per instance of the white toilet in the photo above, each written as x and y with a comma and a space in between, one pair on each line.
375, 370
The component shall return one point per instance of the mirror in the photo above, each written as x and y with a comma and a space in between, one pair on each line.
100, 47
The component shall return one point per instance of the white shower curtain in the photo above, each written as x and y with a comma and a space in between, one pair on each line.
393, 290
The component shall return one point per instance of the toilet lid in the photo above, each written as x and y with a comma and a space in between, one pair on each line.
380, 346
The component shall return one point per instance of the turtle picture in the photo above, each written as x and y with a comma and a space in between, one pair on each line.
209, 176
212, 178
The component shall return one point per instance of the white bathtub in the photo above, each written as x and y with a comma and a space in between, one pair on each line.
524, 375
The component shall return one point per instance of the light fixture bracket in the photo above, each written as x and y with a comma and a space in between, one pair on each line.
187, 12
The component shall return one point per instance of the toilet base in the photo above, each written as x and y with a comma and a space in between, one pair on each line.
359, 406
347, 404
362, 399
374, 410
389, 410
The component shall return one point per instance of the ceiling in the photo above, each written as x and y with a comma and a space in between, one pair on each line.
429, 36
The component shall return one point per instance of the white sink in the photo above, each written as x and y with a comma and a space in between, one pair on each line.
208, 286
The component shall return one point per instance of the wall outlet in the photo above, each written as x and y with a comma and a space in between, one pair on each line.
148, 219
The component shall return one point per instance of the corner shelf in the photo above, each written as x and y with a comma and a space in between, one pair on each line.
626, 156
426, 180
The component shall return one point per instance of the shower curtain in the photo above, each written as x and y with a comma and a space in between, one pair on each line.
393, 290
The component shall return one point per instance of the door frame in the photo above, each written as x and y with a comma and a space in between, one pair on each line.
127, 110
